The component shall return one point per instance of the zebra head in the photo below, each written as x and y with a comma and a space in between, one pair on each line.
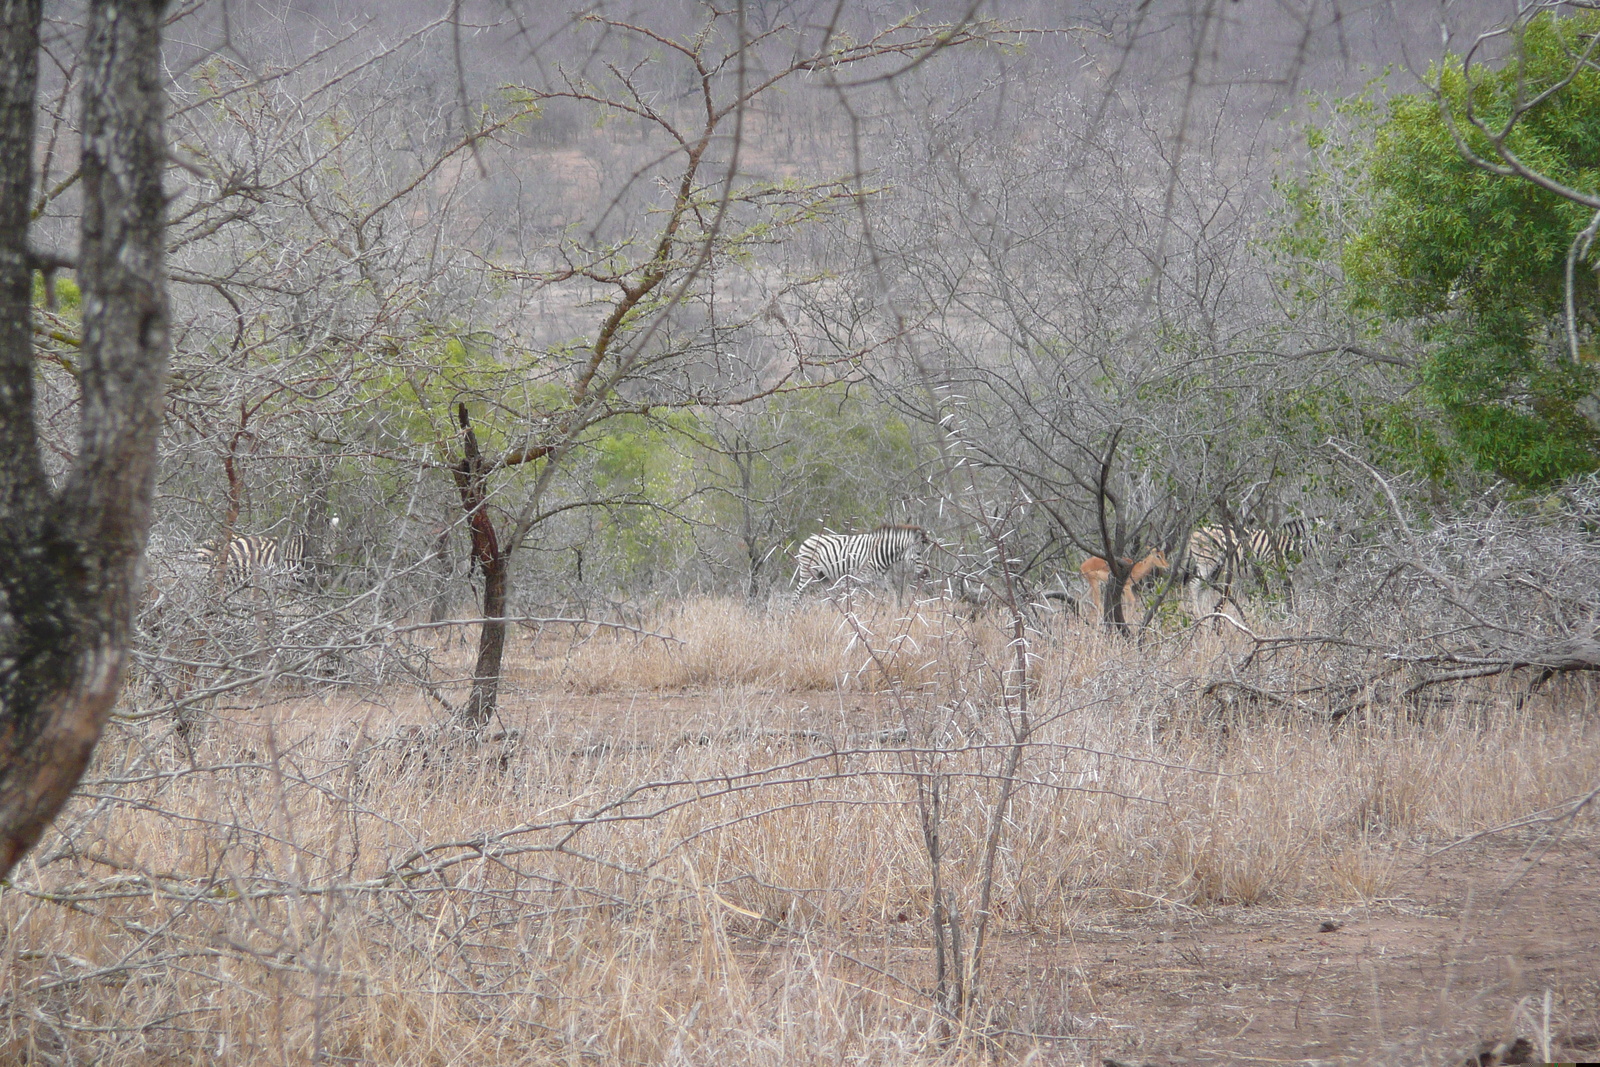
903, 542
918, 553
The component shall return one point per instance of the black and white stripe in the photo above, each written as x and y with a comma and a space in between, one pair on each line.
250, 559
1219, 555
827, 558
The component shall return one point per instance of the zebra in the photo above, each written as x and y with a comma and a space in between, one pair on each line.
246, 559
1218, 554
828, 558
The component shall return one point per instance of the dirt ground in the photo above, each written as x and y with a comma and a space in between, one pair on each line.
1457, 961
1462, 953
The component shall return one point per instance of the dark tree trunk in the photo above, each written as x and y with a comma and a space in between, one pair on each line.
472, 480
1111, 540
71, 561
1115, 613
745, 457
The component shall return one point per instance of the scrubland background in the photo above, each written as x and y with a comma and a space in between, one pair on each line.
1050, 281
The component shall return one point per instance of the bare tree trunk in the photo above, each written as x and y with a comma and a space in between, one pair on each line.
1111, 543
472, 478
71, 561
744, 457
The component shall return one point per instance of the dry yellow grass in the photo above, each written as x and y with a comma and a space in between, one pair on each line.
736, 876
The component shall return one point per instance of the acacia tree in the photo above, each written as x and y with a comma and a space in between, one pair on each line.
654, 349
321, 231
316, 229
71, 553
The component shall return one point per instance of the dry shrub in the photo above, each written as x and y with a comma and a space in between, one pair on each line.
1240, 843
335, 875
1389, 790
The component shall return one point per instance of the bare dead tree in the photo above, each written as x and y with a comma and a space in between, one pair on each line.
1108, 345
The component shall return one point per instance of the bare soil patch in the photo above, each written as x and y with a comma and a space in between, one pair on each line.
1463, 951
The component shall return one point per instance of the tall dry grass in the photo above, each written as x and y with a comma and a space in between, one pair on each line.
721, 642
742, 877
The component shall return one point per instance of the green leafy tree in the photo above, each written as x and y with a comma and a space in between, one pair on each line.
1473, 253
645, 468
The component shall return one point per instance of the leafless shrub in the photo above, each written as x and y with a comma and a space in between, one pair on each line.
1430, 606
